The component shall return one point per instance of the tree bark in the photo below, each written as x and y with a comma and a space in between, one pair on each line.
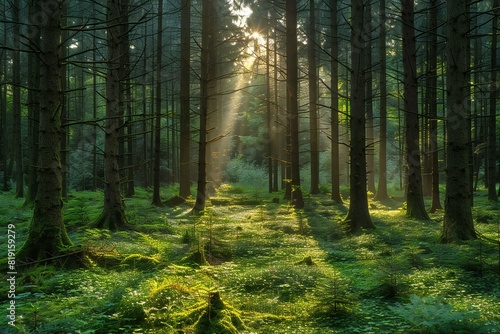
382, 194
17, 142
370, 136
113, 215
492, 119
313, 100
33, 109
207, 61
334, 102
431, 90
185, 113
157, 134
358, 216
292, 98
457, 224
47, 234
414, 196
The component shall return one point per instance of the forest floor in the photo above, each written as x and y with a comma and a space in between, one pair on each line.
250, 265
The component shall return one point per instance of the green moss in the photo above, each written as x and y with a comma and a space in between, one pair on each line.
139, 261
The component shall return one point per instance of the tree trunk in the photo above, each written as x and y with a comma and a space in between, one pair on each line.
269, 117
185, 114
113, 215
47, 234
292, 96
334, 103
492, 119
431, 90
358, 216
313, 100
370, 136
33, 109
17, 141
457, 224
382, 194
5, 137
207, 61
157, 134
414, 197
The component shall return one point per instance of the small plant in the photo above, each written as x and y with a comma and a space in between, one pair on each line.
391, 270
433, 315
336, 300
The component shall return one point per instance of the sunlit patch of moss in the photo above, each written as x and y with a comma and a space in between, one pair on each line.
139, 261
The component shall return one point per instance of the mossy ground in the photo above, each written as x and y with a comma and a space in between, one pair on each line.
258, 255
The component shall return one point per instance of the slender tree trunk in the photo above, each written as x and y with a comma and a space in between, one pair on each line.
208, 12
334, 103
33, 109
185, 113
358, 216
47, 235
292, 96
157, 144
432, 102
16, 101
492, 119
457, 224
370, 136
382, 194
65, 107
113, 215
269, 116
313, 100
414, 197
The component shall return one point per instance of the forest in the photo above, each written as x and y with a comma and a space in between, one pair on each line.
234, 166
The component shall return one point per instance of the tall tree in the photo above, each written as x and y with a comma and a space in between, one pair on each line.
113, 214
185, 113
17, 142
208, 59
358, 216
334, 101
382, 194
313, 100
414, 196
431, 91
47, 235
157, 134
457, 223
492, 119
370, 133
33, 106
292, 101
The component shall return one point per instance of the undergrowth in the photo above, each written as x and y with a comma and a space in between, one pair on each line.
250, 263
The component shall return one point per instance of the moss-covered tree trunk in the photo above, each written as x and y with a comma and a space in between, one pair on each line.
414, 195
113, 214
47, 235
457, 223
358, 216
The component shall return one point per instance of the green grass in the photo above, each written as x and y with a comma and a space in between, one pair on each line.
277, 270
